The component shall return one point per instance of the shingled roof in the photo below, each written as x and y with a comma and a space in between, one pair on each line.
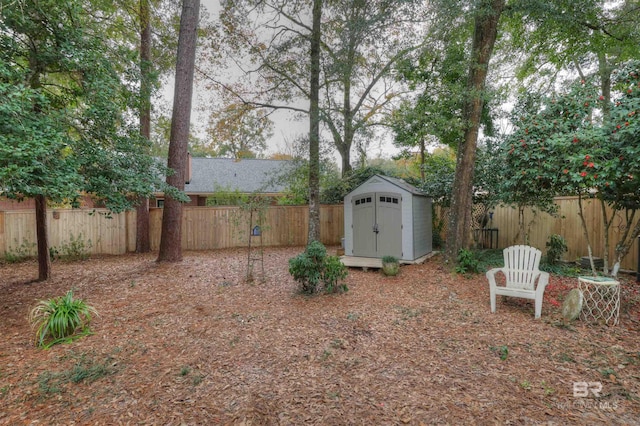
402, 184
209, 175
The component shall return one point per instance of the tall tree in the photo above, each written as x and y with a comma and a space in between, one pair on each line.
314, 125
360, 42
368, 38
64, 130
171, 239
486, 19
152, 26
143, 242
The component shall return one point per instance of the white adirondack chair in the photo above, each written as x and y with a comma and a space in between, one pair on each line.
521, 272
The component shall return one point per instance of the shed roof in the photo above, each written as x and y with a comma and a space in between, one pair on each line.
209, 175
397, 182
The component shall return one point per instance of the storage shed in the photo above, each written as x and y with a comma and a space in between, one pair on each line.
385, 216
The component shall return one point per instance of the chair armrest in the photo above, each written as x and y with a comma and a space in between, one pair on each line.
491, 275
543, 280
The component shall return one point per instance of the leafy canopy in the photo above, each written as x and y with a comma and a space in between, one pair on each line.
65, 126
563, 145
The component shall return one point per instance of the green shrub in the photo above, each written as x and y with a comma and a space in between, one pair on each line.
20, 252
226, 197
334, 273
438, 223
75, 249
556, 247
313, 269
389, 259
55, 320
489, 258
564, 269
390, 265
467, 262
306, 268
53, 253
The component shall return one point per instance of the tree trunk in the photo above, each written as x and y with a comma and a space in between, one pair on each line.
347, 139
345, 155
605, 70
344, 148
42, 234
343, 142
520, 236
606, 222
143, 244
484, 37
314, 127
422, 158
171, 239
628, 238
585, 232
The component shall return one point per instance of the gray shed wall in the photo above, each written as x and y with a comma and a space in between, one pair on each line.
422, 226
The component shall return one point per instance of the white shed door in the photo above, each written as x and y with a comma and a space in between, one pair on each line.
389, 223
364, 220
377, 225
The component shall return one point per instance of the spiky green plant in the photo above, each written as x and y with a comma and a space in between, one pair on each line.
60, 318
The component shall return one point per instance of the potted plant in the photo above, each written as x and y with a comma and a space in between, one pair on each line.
390, 265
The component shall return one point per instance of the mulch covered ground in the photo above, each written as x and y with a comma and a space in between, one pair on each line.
193, 343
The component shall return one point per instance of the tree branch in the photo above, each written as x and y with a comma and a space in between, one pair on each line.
249, 102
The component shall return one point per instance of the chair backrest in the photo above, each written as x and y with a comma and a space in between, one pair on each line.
521, 266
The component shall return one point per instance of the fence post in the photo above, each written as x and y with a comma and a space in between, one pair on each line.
3, 247
130, 231
638, 266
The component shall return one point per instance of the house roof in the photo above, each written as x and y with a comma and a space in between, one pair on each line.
209, 175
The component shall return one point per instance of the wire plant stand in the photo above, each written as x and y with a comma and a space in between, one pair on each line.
601, 299
255, 251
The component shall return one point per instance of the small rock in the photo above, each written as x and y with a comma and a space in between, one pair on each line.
572, 305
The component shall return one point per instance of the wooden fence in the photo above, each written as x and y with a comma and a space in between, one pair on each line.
206, 228
567, 224
539, 226
203, 228
98, 232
